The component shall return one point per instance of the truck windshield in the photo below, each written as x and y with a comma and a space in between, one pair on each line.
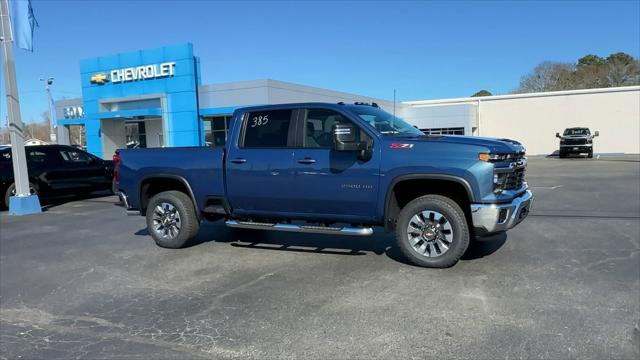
571, 132
385, 123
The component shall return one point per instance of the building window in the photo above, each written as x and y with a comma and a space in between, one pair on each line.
136, 136
215, 130
444, 131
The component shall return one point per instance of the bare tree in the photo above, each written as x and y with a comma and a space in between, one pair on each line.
623, 70
548, 76
591, 71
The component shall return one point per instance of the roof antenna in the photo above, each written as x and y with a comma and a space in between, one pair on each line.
393, 121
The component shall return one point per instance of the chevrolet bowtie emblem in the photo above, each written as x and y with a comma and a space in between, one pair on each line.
99, 78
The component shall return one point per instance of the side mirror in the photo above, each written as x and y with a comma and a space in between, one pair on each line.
597, 133
344, 138
558, 135
91, 161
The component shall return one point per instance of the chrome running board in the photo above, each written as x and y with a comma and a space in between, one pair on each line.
352, 231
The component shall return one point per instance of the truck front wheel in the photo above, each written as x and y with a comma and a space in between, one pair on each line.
432, 231
171, 219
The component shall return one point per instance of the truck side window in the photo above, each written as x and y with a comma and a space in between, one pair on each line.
36, 156
319, 128
74, 156
267, 129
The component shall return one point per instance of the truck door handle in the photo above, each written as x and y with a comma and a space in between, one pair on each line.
307, 161
239, 161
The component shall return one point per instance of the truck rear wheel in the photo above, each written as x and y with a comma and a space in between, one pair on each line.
432, 231
171, 219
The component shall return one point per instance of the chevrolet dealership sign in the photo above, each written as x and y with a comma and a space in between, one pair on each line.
144, 72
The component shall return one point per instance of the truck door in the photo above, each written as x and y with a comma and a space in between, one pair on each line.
78, 171
335, 184
260, 164
43, 162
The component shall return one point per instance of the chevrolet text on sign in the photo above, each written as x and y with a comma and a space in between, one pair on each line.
144, 72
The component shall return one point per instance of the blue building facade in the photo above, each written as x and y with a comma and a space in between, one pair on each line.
146, 86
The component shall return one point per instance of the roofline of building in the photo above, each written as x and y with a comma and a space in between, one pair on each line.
521, 96
264, 83
286, 85
237, 85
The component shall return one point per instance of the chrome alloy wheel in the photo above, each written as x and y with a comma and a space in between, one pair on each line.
166, 220
430, 233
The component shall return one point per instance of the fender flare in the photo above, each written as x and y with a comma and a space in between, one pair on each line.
387, 201
172, 177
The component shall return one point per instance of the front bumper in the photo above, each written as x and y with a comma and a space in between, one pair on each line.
493, 218
583, 148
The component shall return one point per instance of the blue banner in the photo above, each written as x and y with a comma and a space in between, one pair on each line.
23, 22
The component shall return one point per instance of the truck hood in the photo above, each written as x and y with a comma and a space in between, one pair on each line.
494, 145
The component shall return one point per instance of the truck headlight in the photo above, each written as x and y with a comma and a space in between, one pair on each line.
499, 180
494, 157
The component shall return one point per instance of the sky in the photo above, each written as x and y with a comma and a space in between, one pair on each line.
423, 49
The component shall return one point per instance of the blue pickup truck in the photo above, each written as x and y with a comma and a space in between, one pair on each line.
333, 169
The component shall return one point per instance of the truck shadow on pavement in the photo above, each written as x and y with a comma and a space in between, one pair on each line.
379, 243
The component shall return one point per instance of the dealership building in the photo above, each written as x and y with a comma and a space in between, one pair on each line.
155, 98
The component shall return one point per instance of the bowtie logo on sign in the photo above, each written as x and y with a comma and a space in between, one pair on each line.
99, 78
144, 72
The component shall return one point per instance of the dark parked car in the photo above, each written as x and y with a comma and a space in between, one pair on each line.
57, 170
576, 141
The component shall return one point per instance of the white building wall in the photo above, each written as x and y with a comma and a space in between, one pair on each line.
443, 116
240, 93
261, 92
534, 119
281, 92
153, 131
113, 135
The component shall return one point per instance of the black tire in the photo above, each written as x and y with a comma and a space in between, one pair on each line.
454, 216
188, 221
114, 187
7, 194
562, 155
590, 155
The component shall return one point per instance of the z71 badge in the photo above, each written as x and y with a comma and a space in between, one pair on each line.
400, 146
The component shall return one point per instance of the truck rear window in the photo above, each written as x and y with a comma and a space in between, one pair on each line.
267, 129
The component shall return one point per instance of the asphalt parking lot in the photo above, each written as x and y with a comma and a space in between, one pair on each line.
84, 280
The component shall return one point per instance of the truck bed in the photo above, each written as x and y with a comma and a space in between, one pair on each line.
201, 167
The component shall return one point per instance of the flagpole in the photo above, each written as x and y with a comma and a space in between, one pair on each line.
23, 202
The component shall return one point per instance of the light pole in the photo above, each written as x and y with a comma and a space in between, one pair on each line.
52, 133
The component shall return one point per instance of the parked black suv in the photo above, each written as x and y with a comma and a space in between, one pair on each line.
576, 141
56, 170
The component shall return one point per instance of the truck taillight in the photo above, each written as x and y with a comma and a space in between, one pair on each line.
116, 165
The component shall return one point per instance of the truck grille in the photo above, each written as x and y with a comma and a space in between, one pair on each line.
575, 141
515, 179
